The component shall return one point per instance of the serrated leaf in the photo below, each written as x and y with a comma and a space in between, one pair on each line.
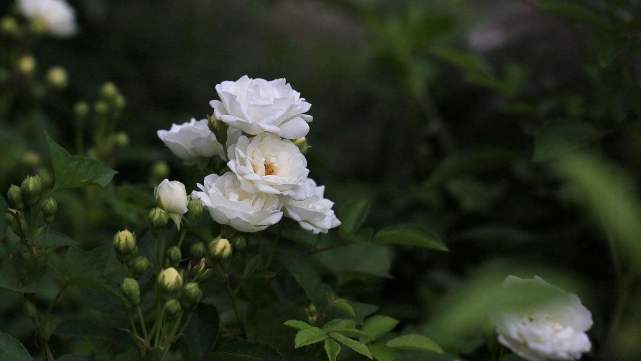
309, 336
361, 258
299, 325
12, 350
356, 346
408, 235
379, 325
202, 332
78, 263
55, 239
72, 171
353, 215
332, 349
414, 342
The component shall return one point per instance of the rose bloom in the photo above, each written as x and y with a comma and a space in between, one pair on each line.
191, 140
229, 204
172, 197
555, 330
58, 17
269, 164
258, 105
313, 213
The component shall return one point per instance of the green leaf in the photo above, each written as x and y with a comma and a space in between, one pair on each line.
299, 325
332, 349
379, 325
12, 350
353, 215
83, 329
414, 342
78, 263
72, 171
74, 358
409, 235
382, 352
55, 239
352, 344
3, 219
361, 259
309, 336
343, 307
244, 351
202, 332
303, 271
556, 140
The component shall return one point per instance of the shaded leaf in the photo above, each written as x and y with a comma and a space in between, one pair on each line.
299, 325
202, 332
352, 344
244, 351
332, 349
309, 336
12, 350
379, 325
353, 215
408, 235
414, 342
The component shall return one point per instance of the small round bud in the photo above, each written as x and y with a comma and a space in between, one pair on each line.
158, 217
57, 77
109, 90
29, 309
302, 144
170, 280
174, 255
312, 313
31, 159
131, 289
45, 178
124, 242
27, 64
8, 25
14, 196
121, 139
140, 265
240, 242
38, 27
172, 307
198, 250
101, 107
192, 293
220, 248
160, 170
81, 109
49, 208
119, 102
194, 208
31, 188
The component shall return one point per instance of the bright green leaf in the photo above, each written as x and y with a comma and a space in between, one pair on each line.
379, 325
414, 342
353, 215
299, 325
332, 349
382, 352
352, 344
309, 336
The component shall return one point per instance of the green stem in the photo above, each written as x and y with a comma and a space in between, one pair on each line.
232, 298
143, 326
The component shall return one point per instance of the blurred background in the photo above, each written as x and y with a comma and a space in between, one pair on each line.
481, 121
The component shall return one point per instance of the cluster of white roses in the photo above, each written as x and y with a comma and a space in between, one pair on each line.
268, 174
553, 331
56, 16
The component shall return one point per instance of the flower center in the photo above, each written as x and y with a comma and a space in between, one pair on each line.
270, 168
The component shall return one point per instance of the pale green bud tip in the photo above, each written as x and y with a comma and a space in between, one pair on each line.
158, 217
220, 248
31, 188
194, 207
119, 102
101, 107
57, 77
27, 64
170, 280
30, 310
198, 250
160, 170
49, 208
174, 255
140, 265
172, 307
9, 25
109, 90
14, 196
125, 242
81, 109
121, 139
131, 289
192, 293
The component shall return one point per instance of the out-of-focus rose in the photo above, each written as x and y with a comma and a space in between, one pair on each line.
57, 16
191, 140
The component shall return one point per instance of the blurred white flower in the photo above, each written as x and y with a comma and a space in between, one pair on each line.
172, 197
555, 330
57, 16
257, 105
191, 140
229, 204
313, 213
266, 163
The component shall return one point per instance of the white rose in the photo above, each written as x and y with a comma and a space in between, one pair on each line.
229, 204
269, 164
553, 331
313, 213
191, 140
172, 197
257, 105
58, 17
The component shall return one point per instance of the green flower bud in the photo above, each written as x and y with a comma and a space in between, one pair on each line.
218, 128
119, 102
31, 188
57, 77
109, 90
240, 242
302, 144
27, 65
121, 139
14, 196
205, 274
49, 208
172, 307
158, 217
38, 27
220, 248
31, 159
8, 25
81, 109
124, 242
198, 250
170, 280
194, 208
174, 255
101, 107
140, 265
312, 313
131, 289
192, 293
160, 170
45, 178
29, 309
